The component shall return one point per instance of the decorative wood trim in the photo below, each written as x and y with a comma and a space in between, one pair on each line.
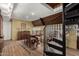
52, 19
54, 5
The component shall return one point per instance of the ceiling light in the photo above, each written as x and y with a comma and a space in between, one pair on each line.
33, 13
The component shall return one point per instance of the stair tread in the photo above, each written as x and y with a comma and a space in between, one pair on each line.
53, 50
55, 43
58, 41
52, 54
55, 47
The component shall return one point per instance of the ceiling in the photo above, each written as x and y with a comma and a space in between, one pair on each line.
27, 11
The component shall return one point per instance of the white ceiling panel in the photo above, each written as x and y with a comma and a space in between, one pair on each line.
31, 11
27, 11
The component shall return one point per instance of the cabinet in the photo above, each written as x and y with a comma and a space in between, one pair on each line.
23, 35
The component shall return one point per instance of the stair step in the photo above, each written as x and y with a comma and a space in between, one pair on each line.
58, 41
54, 50
54, 43
52, 54
55, 47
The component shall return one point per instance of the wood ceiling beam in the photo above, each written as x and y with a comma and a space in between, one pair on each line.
54, 5
52, 19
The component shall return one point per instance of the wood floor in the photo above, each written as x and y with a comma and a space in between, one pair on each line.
14, 48
72, 52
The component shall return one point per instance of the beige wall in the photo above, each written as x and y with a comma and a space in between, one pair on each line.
16, 26
71, 39
38, 28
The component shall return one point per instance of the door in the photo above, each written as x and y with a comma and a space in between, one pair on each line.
1, 33
77, 42
78, 37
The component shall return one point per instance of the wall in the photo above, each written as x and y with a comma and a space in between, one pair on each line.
16, 26
38, 28
6, 29
71, 37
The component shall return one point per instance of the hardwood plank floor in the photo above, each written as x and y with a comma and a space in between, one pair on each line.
72, 52
13, 48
